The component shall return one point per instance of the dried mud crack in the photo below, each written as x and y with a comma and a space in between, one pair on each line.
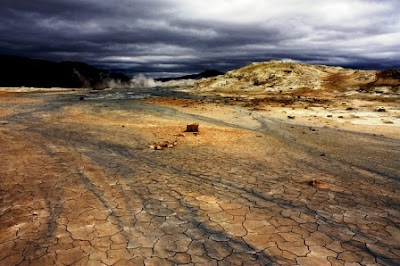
79, 185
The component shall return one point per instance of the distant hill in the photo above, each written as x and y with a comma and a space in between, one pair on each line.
205, 74
280, 76
18, 71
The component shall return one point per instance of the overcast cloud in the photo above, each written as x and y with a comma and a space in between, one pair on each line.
173, 37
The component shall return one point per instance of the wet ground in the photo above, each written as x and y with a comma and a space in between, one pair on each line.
79, 185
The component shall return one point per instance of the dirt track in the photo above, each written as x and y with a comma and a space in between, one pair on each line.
79, 185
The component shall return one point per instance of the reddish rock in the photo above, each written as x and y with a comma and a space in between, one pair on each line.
192, 128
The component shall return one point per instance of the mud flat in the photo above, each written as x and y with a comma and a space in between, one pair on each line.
268, 179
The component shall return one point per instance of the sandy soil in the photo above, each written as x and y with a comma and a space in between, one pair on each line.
347, 114
80, 185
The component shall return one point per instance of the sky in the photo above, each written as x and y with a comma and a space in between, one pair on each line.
174, 37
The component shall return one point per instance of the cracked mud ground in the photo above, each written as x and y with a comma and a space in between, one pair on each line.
79, 185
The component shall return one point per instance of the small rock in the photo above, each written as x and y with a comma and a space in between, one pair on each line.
164, 144
81, 98
329, 116
380, 109
291, 117
340, 116
4, 122
318, 184
192, 128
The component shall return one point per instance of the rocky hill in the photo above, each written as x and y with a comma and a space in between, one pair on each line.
19, 71
280, 76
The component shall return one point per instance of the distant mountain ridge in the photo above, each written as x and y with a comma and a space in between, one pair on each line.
205, 74
19, 71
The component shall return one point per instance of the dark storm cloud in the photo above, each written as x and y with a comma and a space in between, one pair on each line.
177, 36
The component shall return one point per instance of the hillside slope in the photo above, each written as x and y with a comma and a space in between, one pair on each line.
19, 71
279, 76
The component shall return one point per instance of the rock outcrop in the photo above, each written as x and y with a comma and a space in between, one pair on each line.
280, 76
